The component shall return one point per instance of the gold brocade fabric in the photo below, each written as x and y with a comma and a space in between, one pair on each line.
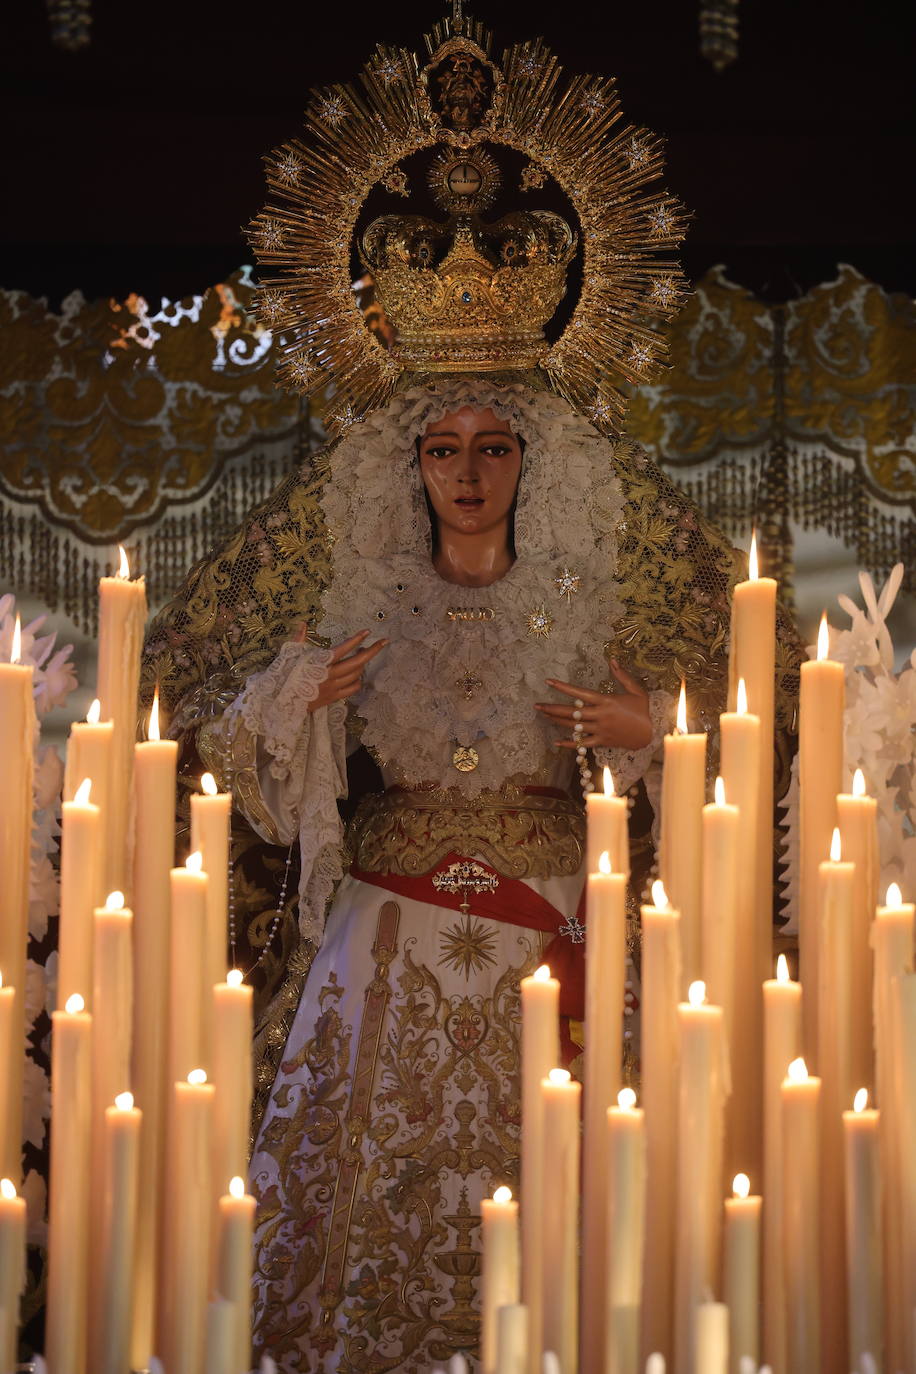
521, 837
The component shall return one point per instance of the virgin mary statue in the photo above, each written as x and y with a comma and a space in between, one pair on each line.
478, 596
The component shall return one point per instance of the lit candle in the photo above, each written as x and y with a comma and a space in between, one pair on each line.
801, 1226
720, 902
605, 959
17, 734
782, 1043
113, 1002
186, 1227
607, 817
902, 1109
701, 1105
89, 756
893, 953
115, 1218
742, 1272
10, 1073
499, 1284
512, 1339
820, 774
834, 960
122, 617
12, 1268
210, 812
660, 986
154, 854
560, 1216
540, 995
741, 751
681, 842
235, 1229
190, 998
68, 1200
233, 1032
863, 1230
81, 870
752, 658
711, 1347
626, 1137
857, 820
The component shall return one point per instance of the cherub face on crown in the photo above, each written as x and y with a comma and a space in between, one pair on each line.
462, 90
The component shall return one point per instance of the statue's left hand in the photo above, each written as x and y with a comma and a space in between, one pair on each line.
620, 721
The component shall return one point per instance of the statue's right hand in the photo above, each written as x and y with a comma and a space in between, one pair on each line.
345, 671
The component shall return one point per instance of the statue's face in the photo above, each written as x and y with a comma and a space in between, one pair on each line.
470, 462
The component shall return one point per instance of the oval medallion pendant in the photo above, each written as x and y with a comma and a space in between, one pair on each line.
465, 758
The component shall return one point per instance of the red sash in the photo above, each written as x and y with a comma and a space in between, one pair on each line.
512, 903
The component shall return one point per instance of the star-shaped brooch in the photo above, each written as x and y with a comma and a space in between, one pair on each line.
540, 622
567, 584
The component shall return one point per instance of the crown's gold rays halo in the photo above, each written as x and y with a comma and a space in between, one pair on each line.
569, 128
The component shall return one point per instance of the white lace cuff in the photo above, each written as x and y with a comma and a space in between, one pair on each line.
301, 768
629, 765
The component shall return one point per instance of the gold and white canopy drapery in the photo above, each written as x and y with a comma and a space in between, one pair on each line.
162, 428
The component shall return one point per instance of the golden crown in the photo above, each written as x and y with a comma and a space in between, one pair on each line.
463, 294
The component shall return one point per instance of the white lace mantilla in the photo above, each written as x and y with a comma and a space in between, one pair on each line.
470, 679
302, 768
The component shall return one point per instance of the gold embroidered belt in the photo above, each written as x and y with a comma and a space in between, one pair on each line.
536, 833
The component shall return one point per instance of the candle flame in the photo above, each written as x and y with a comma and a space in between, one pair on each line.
208, 785
659, 895
798, 1071
782, 970
741, 1185
152, 730
123, 565
83, 791
542, 973
836, 846
626, 1098
720, 791
74, 1004
237, 1186
752, 572
16, 650
823, 638
681, 726
559, 1076
502, 1194
604, 862
696, 993
114, 901
858, 783
197, 1076
608, 781
7, 1189
234, 977
94, 714
194, 862
124, 1102
741, 698
861, 1100
894, 896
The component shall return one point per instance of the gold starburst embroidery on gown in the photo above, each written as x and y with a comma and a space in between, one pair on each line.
467, 946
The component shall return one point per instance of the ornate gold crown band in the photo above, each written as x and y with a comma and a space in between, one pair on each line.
462, 294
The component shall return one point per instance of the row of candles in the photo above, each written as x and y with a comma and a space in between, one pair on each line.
616, 1269
150, 1226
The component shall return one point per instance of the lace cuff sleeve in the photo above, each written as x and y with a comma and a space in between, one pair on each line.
627, 765
289, 768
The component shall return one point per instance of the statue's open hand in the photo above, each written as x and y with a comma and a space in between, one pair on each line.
345, 671
620, 721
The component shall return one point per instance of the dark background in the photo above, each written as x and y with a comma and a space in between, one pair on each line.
132, 164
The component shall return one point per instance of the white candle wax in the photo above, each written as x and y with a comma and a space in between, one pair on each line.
863, 1230
210, 813
711, 1350
681, 841
857, 821
12, 1267
801, 1221
232, 1079
560, 1216
782, 1043
499, 1285
186, 1228
540, 996
235, 1229
605, 961
111, 1315
626, 1138
512, 1339
742, 1273
607, 828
